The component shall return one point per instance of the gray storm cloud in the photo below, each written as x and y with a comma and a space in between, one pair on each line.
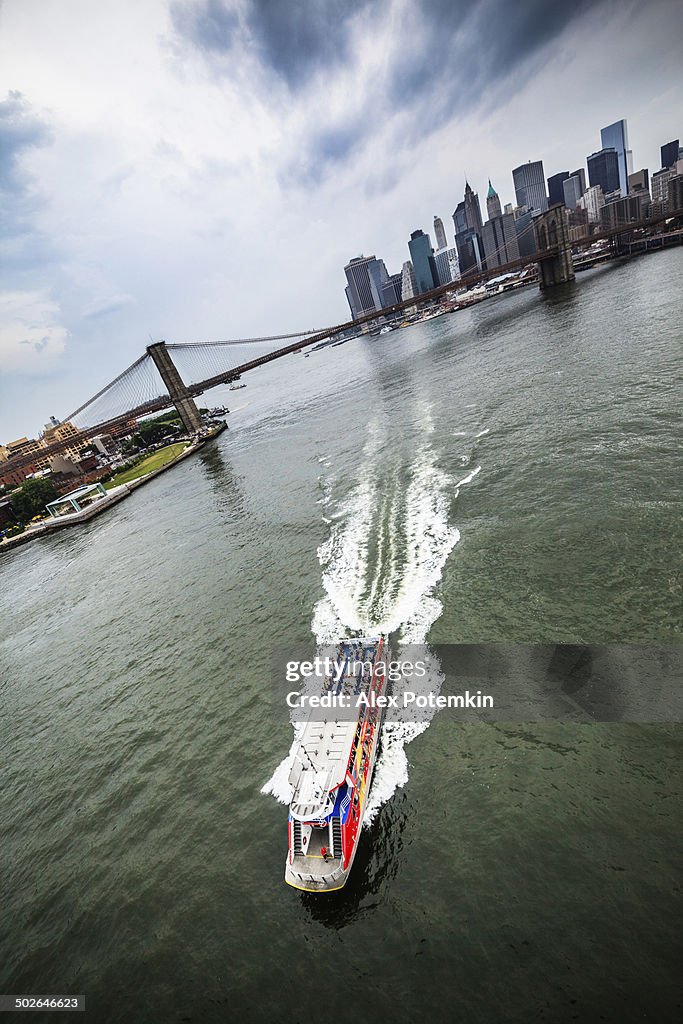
444, 58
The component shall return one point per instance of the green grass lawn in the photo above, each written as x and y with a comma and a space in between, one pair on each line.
154, 461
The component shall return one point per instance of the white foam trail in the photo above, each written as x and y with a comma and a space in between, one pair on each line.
391, 770
344, 555
467, 479
410, 554
278, 784
429, 539
482, 432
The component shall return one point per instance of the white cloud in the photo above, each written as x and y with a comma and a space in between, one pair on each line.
193, 196
31, 336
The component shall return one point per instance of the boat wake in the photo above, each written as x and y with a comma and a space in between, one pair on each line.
389, 540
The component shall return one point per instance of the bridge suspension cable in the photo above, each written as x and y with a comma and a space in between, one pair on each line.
246, 341
138, 385
200, 361
140, 390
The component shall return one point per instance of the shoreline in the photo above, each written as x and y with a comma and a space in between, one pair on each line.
113, 497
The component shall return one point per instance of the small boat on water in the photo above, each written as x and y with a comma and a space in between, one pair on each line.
236, 387
332, 770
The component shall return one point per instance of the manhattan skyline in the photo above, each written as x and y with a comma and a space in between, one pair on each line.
205, 170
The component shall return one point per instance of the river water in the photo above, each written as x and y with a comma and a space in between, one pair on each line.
509, 473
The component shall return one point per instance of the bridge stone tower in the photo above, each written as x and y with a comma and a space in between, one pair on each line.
179, 395
550, 229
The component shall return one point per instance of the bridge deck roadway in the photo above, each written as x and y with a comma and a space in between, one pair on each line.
477, 277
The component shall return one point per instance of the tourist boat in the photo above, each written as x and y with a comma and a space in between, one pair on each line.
332, 770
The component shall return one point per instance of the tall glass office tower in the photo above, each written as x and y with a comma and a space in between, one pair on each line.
615, 136
366, 276
669, 153
529, 182
440, 233
423, 263
572, 190
555, 187
603, 170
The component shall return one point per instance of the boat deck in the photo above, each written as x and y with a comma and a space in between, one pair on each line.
325, 745
315, 873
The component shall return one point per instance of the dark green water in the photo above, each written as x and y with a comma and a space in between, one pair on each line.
509, 473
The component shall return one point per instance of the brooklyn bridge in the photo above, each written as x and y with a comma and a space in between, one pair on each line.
175, 374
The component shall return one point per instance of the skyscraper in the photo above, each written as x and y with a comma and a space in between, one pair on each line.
581, 175
555, 190
408, 283
675, 193
572, 191
446, 263
439, 233
493, 203
459, 220
472, 209
391, 291
470, 252
669, 153
423, 262
524, 229
603, 170
639, 181
592, 201
500, 241
659, 184
468, 229
366, 276
529, 182
615, 136
626, 210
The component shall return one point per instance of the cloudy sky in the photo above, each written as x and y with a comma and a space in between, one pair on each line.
203, 169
